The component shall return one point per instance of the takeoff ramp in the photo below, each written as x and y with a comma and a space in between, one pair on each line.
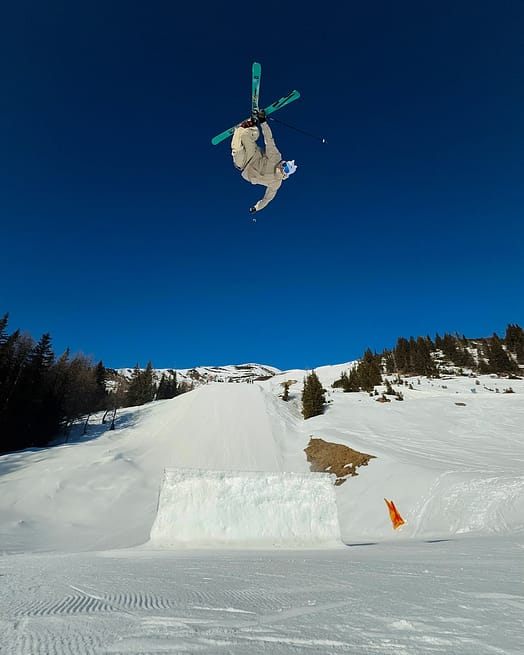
205, 508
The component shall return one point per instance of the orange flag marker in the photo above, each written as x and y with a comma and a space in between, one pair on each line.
395, 517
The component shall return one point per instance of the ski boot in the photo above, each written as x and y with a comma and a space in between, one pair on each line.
257, 117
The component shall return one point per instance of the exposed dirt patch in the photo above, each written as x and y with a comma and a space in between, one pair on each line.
335, 458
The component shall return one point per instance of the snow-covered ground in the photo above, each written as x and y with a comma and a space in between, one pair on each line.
79, 575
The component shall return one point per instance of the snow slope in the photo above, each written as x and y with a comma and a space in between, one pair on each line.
450, 456
102, 491
449, 468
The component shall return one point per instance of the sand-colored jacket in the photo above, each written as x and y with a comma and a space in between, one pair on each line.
263, 168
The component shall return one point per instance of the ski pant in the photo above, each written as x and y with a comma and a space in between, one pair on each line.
243, 146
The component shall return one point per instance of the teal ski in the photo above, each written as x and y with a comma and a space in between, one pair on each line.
256, 72
275, 106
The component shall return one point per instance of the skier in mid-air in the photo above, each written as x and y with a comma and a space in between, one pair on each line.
258, 166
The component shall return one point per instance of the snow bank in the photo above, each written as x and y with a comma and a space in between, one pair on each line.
212, 508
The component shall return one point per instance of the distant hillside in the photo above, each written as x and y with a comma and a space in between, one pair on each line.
446, 355
203, 374
42, 395
455, 354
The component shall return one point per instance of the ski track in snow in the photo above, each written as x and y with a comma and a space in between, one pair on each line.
446, 597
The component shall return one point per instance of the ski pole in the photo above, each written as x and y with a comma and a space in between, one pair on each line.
291, 127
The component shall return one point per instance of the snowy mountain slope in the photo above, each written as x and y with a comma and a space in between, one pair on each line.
451, 455
428, 588
102, 492
450, 468
204, 374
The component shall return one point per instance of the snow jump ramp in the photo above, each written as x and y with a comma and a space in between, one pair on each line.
206, 508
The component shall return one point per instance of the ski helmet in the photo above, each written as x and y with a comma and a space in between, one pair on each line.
289, 167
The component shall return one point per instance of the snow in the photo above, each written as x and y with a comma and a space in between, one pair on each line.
79, 575
213, 508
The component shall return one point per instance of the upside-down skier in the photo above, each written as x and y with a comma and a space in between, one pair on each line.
265, 167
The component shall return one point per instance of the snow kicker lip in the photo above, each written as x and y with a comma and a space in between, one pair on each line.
201, 508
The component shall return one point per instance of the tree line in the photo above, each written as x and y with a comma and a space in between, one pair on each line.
431, 358
423, 356
41, 395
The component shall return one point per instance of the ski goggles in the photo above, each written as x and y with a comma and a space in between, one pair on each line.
285, 168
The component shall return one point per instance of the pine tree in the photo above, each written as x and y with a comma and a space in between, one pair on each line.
369, 371
38, 395
167, 387
42, 357
142, 387
342, 382
389, 361
313, 397
134, 392
498, 359
514, 341
3, 325
401, 354
353, 381
148, 384
449, 347
101, 386
423, 363
350, 382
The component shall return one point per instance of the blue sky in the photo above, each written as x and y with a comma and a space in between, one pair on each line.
127, 236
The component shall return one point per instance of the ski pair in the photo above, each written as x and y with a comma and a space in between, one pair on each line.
256, 73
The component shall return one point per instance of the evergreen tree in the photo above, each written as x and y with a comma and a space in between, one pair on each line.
341, 383
389, 362
423, 363
134, 392
3, 332
353, 384
348, 382
389, 389
498, 359
286, 385
514, 341
38, 395
42, 357
313, 397
449, 347
369, 371
141, 387
148, 383
167, 387
402, 355
101, 386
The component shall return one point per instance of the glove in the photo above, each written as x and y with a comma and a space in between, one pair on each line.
261, 116
252, 210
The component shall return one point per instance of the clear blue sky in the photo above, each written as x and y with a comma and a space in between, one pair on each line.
127, 236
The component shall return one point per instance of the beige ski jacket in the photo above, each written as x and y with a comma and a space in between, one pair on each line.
263, 168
